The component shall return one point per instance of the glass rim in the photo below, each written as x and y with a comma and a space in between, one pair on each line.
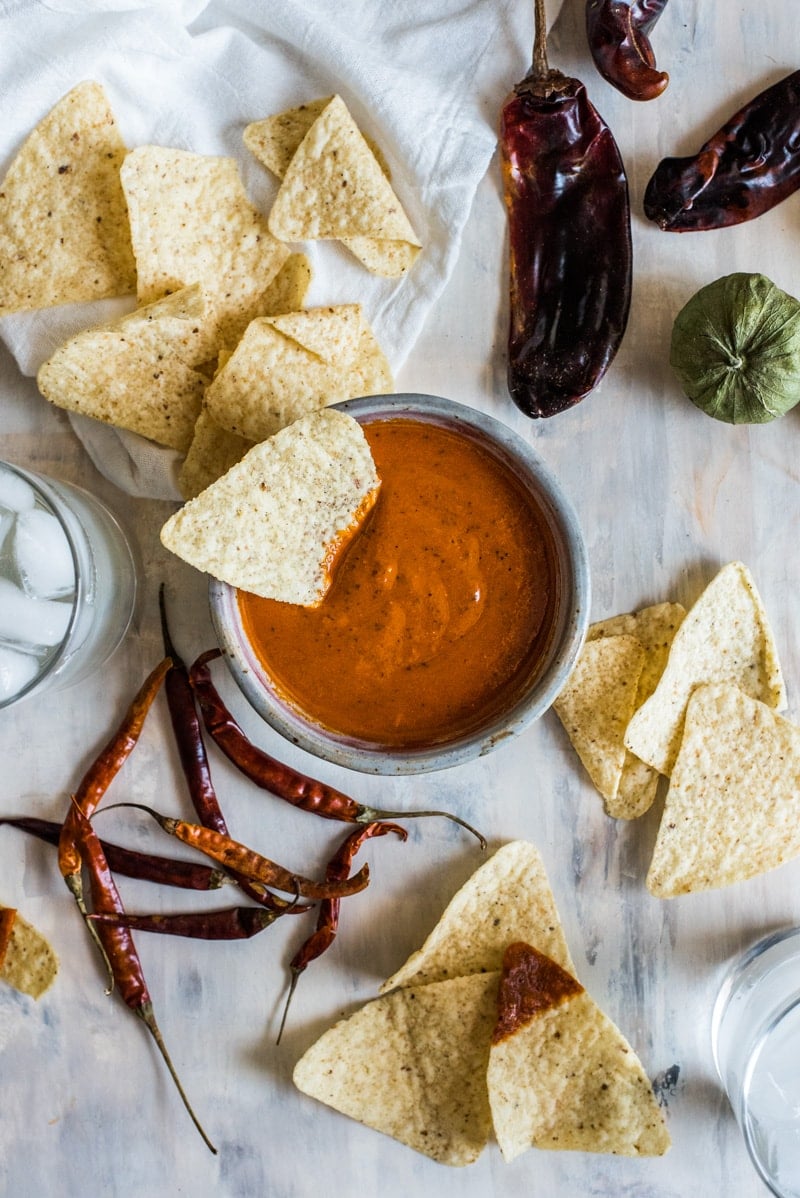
745, 1117
45, 494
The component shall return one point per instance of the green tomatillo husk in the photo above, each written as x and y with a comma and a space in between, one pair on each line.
736, 349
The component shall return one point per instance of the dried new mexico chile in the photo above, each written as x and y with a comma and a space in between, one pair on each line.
570, 264
746, 168
618, 33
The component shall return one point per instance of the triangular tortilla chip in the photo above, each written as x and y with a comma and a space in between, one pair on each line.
654, 627
286, 366
288, 289
412, 1065
560, 1074
725, 637
191, 222
212, 452
139, 372
731, 811
274, 141
28, 962
334, 187
64, 235
508, 898
596, 704
273, 524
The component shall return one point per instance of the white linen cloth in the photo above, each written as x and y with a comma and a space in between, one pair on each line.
420, 79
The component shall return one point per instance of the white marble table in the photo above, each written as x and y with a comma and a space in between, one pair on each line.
664, 496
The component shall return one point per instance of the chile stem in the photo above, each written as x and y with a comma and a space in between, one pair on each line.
145, 1013
541, 67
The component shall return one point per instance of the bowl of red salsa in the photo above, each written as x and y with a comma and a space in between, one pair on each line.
454, 617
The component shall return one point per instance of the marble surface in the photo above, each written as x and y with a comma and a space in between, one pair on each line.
665, 496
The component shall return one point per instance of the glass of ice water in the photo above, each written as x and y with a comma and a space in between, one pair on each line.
67, 584
755, 1033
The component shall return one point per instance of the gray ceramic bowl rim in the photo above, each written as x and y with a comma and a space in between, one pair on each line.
526, 463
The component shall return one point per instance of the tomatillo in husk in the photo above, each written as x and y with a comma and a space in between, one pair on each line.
736, 349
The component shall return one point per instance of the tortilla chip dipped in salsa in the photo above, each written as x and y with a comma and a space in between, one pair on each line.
561, 1075
64, 235
192, 222
288, 365
507, 898
275, 522
731, 811
333, 186
725, 637
412, 1064
140, 372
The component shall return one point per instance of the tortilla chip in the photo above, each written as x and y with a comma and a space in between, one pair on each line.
565, 1077
28, 963
64, 235
288, 290
191, 222
596, 704
139, 372
731, 811
654, 627
274, 522
275, 140
413, 1066
333, 187
212, 452
725, 637
286, 366
508, 898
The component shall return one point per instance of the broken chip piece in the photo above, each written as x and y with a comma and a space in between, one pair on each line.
333, 185
561, 1075
731, 808
192, 222
725, 637
64, 235
27, 962
139, 372
274, 523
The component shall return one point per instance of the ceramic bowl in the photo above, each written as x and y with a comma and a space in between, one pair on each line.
543, 684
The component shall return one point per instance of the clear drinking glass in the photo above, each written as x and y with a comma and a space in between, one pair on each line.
756, 1043
67, 584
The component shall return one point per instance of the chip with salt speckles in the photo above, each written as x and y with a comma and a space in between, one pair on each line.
27, 962
141, 372
274, 523
561, 1075
596, 704
731, 809
333, 185
725, 637
508, 898
192, 222
412, 1064
286, 366
64, 235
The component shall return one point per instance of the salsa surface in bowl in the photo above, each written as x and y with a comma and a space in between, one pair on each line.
441, 610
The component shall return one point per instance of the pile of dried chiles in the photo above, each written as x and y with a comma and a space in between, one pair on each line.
195, 705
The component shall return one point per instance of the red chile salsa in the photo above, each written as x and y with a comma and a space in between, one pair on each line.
440, 610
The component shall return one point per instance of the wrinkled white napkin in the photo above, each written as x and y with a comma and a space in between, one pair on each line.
418, 78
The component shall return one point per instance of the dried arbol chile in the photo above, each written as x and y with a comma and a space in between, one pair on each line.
746, 168
618, 32
568, 207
